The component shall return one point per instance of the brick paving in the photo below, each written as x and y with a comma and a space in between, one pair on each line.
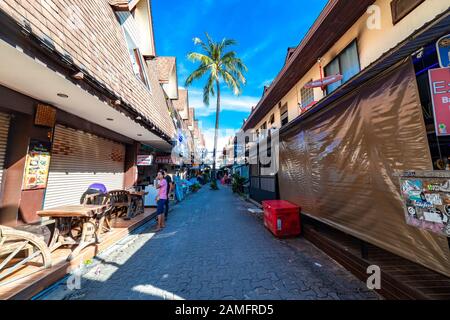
213, 248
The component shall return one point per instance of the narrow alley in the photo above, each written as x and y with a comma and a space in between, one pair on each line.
214, 248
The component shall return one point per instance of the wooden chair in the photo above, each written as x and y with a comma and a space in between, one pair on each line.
19, 248
100, 199
120, 201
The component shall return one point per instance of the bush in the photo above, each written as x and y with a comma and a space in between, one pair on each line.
196, 186
205, 177
214, 185
237, 184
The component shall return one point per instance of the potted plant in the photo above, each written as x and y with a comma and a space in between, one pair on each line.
214, 185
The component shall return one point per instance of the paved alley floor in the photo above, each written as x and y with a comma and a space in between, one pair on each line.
213, 248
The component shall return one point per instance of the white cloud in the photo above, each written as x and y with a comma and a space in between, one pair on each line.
250, 53
228, 102
265, 83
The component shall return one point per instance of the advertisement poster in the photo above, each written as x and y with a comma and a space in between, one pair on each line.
426, 197
37, 165
440, 96
144, 160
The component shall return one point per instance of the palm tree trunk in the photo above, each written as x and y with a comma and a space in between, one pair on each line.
216, 131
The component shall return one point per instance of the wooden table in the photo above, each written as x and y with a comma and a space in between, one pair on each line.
79, 225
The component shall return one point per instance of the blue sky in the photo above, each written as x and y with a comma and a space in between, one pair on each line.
263, 29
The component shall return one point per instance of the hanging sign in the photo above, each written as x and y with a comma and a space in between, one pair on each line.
164, 160
323, 83
37, 165
443, 50
440, 96
144, 160
426, 200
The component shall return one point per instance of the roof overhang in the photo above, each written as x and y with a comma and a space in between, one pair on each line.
334, 20
34, 78
123, 5
419, 39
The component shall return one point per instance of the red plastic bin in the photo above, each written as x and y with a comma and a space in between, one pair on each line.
282, 218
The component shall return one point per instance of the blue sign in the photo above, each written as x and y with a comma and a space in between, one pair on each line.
443, 50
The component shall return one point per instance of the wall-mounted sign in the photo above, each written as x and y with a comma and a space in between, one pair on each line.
163, 160
440, 96
37, 165
443, 50
45, 116
426, 197
144, 160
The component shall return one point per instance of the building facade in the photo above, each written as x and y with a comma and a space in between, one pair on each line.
80, 94
343, 146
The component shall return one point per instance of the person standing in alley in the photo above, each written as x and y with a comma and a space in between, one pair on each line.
170, 188
161, 200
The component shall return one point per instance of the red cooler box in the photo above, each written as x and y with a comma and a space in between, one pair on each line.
282, 218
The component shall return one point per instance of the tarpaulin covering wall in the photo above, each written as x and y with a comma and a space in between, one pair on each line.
339, 165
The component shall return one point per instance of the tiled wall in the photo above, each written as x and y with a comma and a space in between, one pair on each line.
90, 33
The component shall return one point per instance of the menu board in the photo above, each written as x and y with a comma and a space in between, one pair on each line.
37, 165
426, 197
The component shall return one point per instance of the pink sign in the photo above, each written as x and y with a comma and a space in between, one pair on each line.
440, 95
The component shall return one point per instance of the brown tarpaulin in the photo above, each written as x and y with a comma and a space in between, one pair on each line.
339, 165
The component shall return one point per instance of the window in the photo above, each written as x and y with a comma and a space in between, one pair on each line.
401, 8
284, 117
132, 39
307, 96
346, 64
263, 129
272, 119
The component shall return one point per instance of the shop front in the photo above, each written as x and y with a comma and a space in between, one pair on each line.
78, 160
342, 162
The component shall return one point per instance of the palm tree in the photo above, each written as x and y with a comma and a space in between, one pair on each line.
219, 65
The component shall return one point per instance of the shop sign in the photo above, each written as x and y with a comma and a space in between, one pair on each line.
37, 165
426, 199
144, 160
163, 160
440, 96
443, 50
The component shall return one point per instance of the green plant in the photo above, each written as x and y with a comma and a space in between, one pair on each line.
205, 177
237, 184
196, 186
214, 185
217, 65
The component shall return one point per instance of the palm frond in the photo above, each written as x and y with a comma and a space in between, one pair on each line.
231, 81
196, 75
208, 90
227, 43
200, 57
220, 63
198, 41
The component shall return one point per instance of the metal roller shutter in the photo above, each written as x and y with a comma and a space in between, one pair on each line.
4, 128
78, 160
